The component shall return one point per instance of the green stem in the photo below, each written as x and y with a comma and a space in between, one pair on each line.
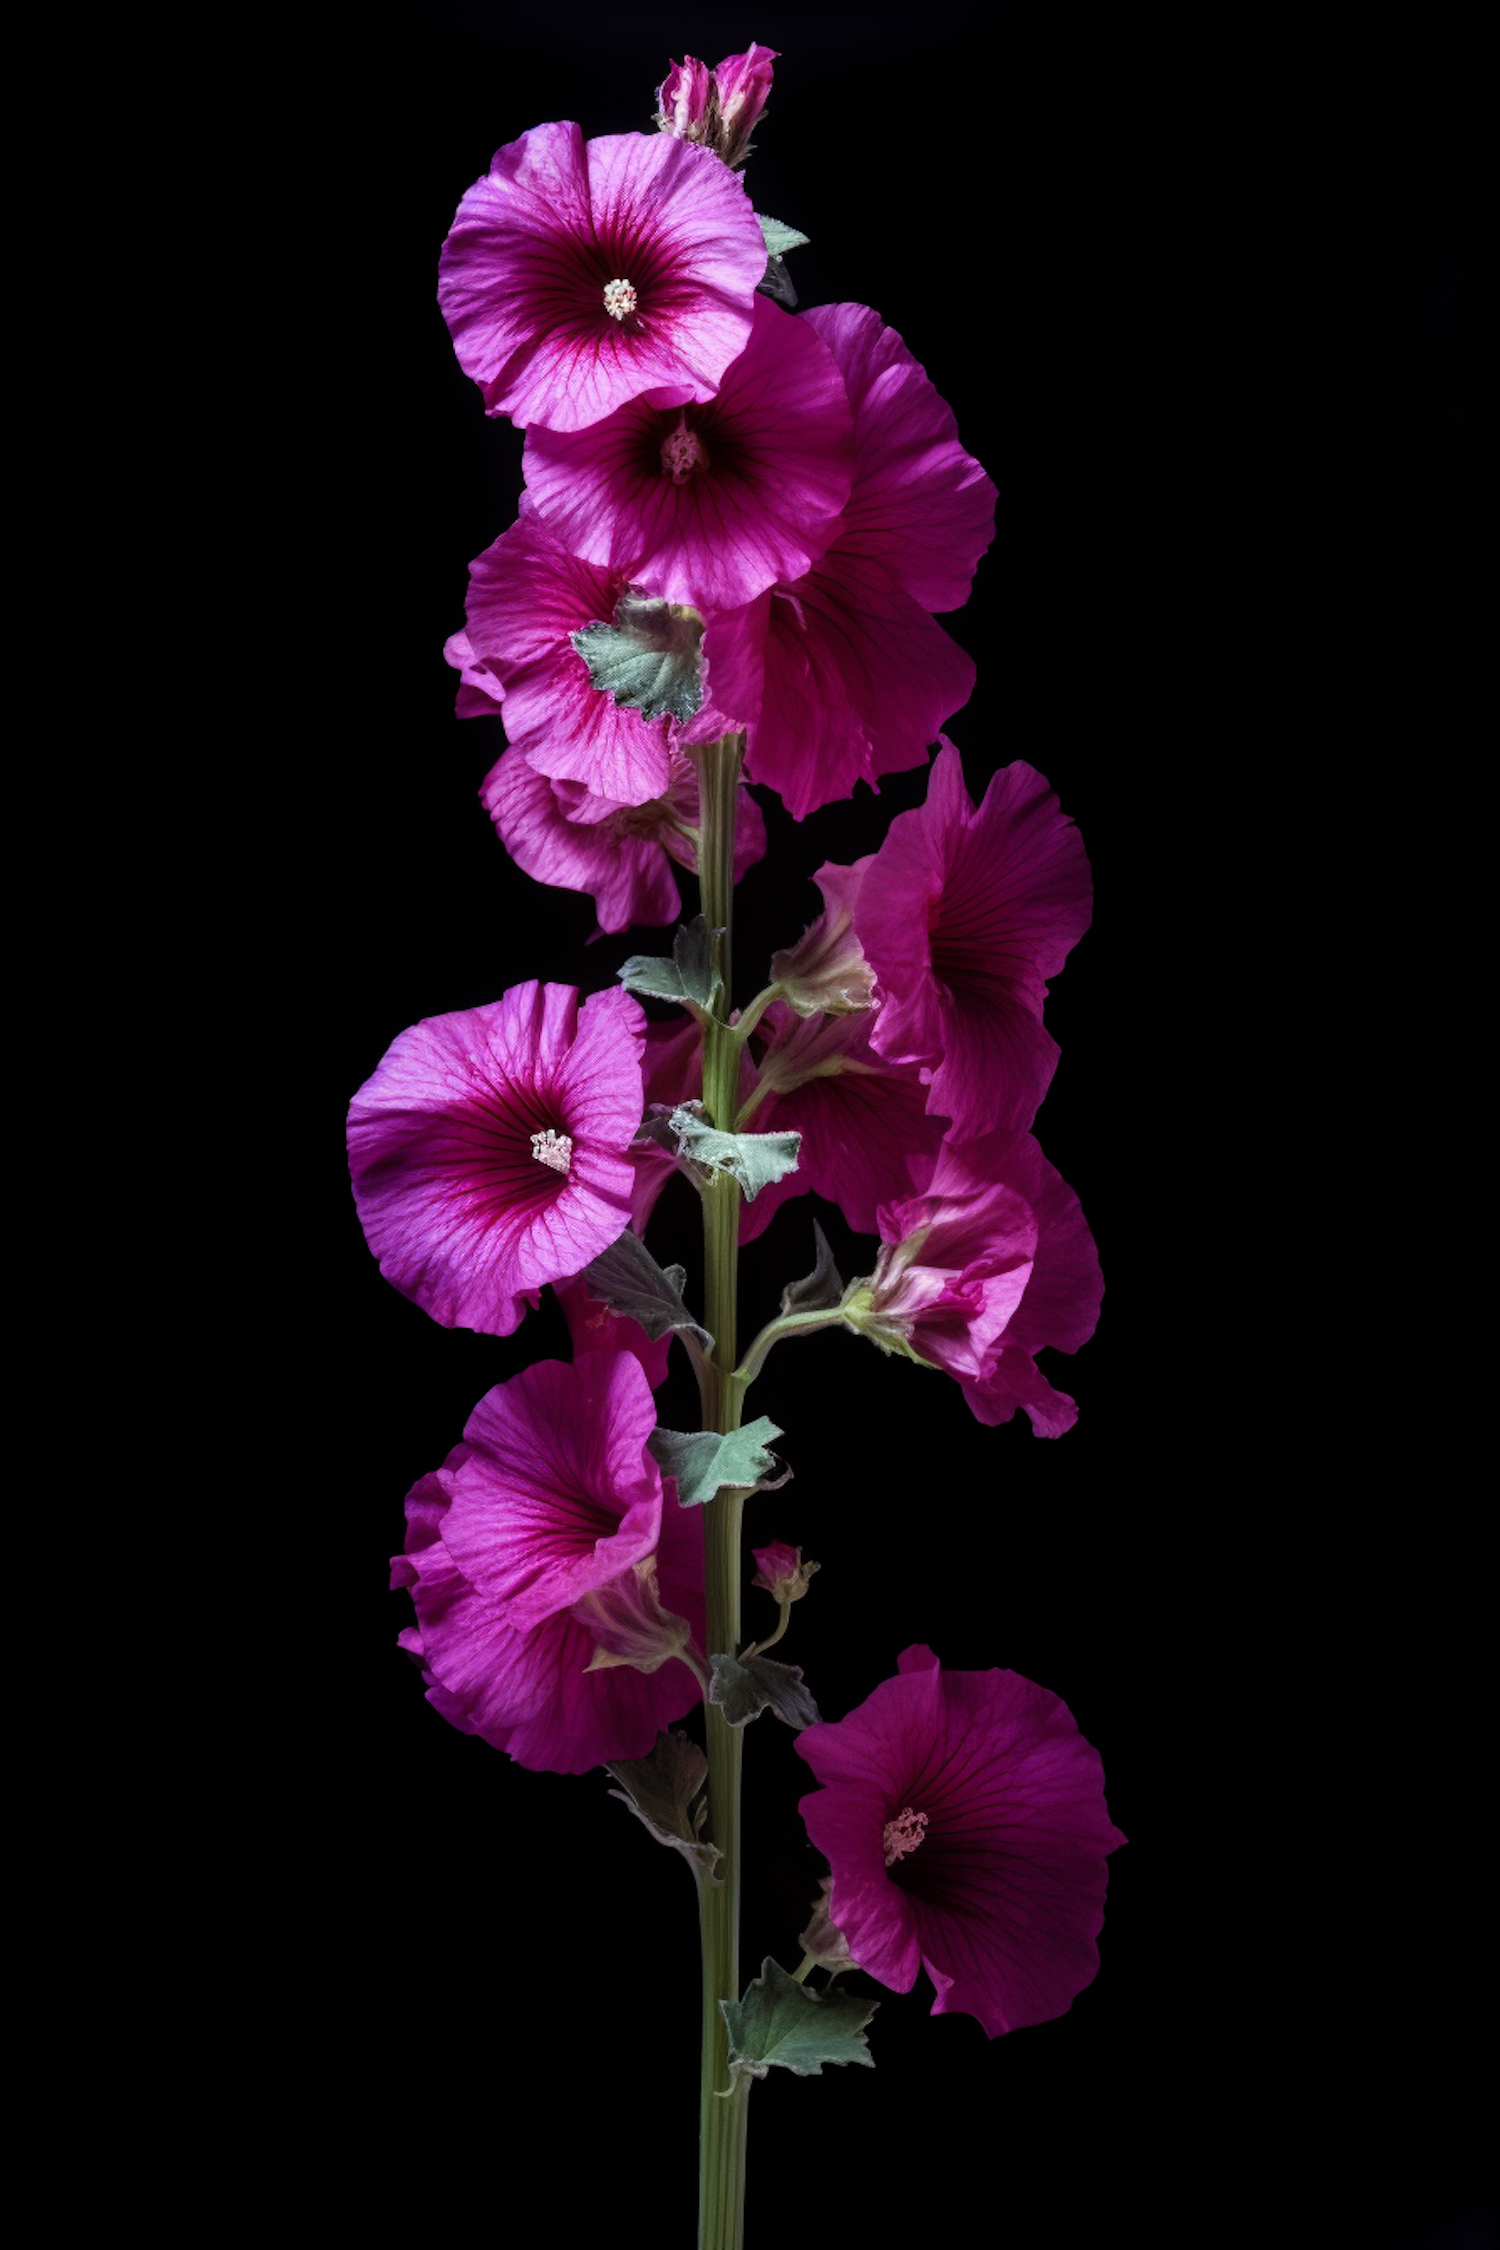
788, 1324
722, 2103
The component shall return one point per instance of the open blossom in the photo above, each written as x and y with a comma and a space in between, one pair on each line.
963, 1817
858, 680
554, 1582
719, 108
579, 274
489, 1149
622, 855
708, 504
964, 914
992, 1262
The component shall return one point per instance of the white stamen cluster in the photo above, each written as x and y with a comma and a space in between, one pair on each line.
555, 1150
903, 1834
619, 299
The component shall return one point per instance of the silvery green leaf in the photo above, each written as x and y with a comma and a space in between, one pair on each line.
776, 283
755, 1159
647, 656
743, 1690
628, 1279
689, 977
779, 239
660, 1788
819, 1291
780, 2021
704, 1463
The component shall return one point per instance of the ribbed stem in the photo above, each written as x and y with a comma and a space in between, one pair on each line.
722, 2111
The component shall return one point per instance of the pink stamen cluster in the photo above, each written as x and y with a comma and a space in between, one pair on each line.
903, 1834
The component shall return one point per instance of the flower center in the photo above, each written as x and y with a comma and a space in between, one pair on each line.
555, 1150
682, 452
619, 299
903, 1834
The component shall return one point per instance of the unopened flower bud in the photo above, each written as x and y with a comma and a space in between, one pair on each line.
781, 1572
720, 108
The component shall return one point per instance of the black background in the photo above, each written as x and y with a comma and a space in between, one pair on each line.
1202, 300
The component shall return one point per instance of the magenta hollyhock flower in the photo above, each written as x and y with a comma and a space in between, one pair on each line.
719, 108
579, 274
963, 1817
867, 1132
489, 1149
858, 679
621, 854
964, 915
480, 692
990, 1264
544, 1543
708, 504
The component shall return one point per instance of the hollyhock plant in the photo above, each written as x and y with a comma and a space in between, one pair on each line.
858, 680
963, 915
738, 533
579, 274
621, 854
543, 1543
708, 504
488, 1151
963, 1817
720, 108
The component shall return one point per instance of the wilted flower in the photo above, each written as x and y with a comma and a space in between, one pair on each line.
579, 274
963, 1817
964, 914
708, 504
489, 1149
719, 108
542, 1541
781, 1572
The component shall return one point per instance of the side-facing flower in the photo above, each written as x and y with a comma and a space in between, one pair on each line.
963, 1817
488, 1151
857, 677
719, 108
964, 914
554, 1581
578, 274
621, 854
992, 1262
825, 972
708, 504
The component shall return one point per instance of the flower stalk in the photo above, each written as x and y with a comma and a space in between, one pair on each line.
722, 2103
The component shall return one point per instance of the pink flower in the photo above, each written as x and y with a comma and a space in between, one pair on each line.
708, 504
480, 693
976, 1275
867, 1132
542, 1549
621, 854
577, 274
719, 108
858, 678
964, 915
489, 1149
963, 1816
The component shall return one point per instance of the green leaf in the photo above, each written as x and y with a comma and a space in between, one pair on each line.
755, 1159
647, 657
705, 1463
689, 977
819, 1291
780, 2021
628, 1279
660, 1788
779, 239
743, 1690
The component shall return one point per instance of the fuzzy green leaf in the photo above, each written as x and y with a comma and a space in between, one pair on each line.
755, 1159
660, 1788
689, 977
628, 1279
819, 1291
780, 2021
743, 1690
779, 239
647, 656
704, 1463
